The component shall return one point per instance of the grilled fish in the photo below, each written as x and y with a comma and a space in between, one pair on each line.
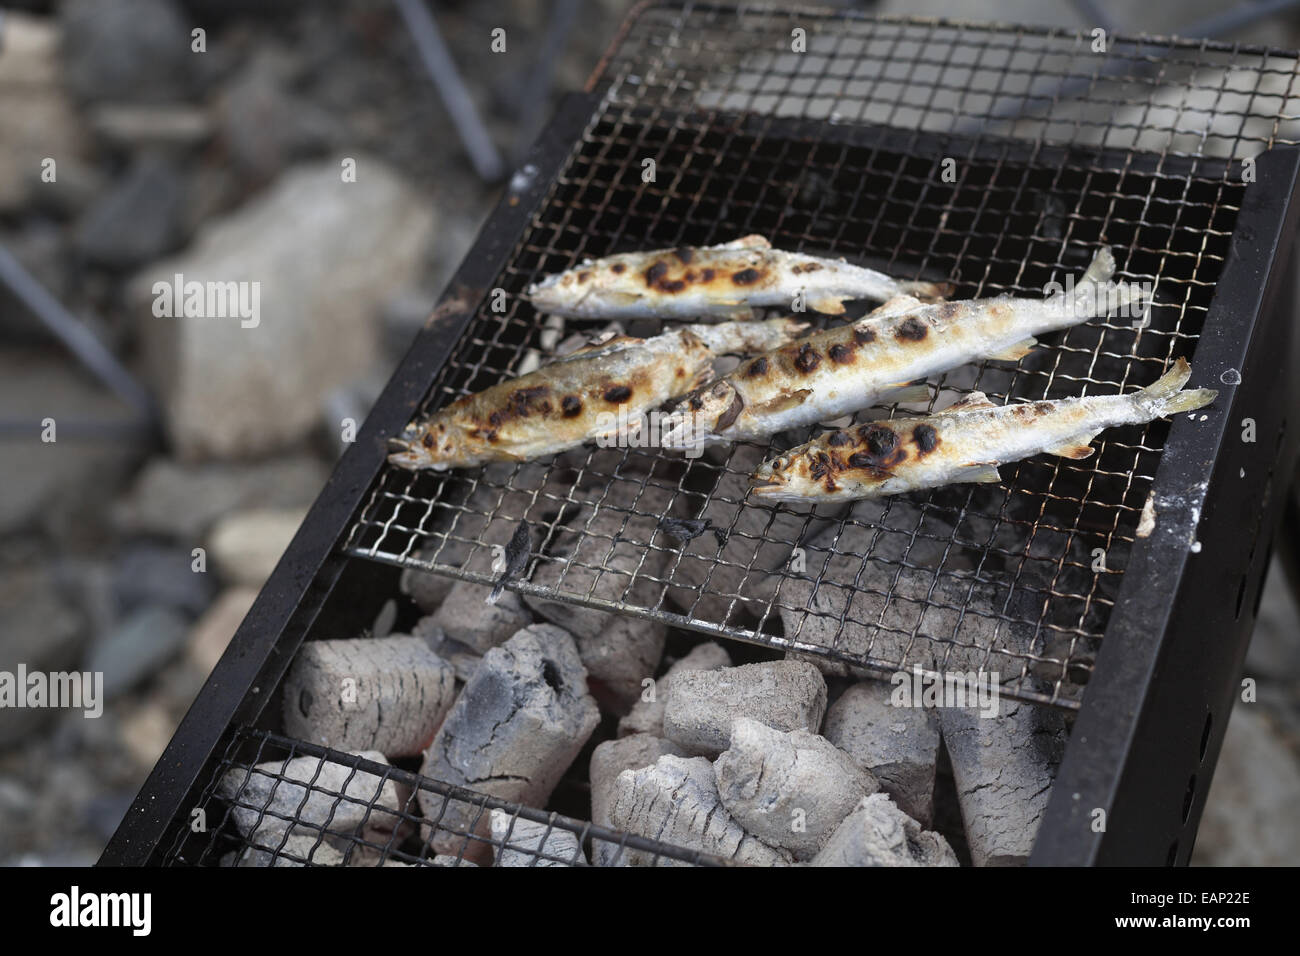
575, 398
841, 370
723, 281
964, 442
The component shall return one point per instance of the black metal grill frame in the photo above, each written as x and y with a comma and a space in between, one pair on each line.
1135, 737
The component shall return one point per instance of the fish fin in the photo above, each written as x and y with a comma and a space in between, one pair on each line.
1015, 352
897, 305
907, 394
971, 402
1163, 396
1101, 268
752, 241
984, 472
1072, 450
930, 291
780, 404
830, 304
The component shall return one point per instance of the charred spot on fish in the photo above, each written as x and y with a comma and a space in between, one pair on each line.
911, 330
1042, 408
864, 336
523, 402
840, 354
821, 465
617, 394
839, 439
655, 273
584, 276
671, 285
618, 268
806, 267
926, 438
690, 275
731, 414
495, 419
707, 275
685, 254
807, 359
950, 310
571, 406
491, 436
879, 439
746, 276
427, 440
681, 372
696, 402
756, 368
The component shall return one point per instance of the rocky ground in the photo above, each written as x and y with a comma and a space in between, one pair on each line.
225, 162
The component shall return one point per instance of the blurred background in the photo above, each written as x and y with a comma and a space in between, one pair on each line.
227, 160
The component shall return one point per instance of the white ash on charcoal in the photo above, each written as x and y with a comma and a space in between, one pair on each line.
676, 801
308, 795
1003, 767
604, 553
519, 842
877, 833
609, 760
701, 706
898, 745
788, 789
388, 694
298, 850
468, 618
647, 714
901, 616
722, 580
464, 660
513, 731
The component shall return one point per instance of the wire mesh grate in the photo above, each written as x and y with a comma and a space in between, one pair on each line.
275, 801
841, 150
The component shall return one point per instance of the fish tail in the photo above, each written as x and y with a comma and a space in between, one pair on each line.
1101, 268
1165, 396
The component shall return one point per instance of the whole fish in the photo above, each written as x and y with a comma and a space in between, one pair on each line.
842, 370
964, 442
578, 397
724, 281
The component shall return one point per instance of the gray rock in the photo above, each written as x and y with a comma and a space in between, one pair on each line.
135, 50
173, 129
647, 716
785, 695
898, 745
37, 120
183, 501
788, 789
139, 645
137, 220
315, 325
877, 833
307, 796
513, 731
37, 628
1003, 767
149, 574
245, 546
519, 842
675, 801
388, 694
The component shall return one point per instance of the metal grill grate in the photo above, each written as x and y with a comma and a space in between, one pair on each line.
841, 150
275, 801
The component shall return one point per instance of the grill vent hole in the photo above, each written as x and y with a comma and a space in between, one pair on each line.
1205, 734
552, 676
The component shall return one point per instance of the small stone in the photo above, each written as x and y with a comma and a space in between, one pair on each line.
877, 833
245, 547
210, 636
148, 574
137, 220
143, 641
788, 789
785, 695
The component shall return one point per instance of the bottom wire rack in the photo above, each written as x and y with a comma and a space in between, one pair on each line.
275, 801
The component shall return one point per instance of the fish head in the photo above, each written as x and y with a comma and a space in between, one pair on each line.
588, 289
702, 416
434, 445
